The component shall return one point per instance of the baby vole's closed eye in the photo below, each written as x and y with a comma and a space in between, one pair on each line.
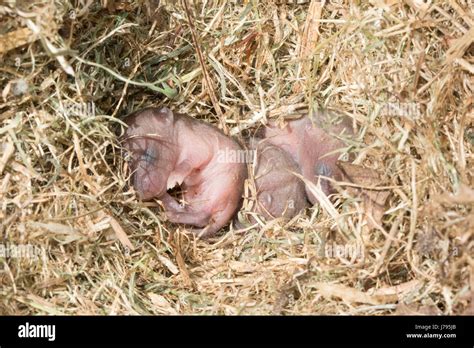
323, 169
150, 155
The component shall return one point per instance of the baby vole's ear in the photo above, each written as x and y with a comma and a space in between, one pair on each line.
166, 112
164, 115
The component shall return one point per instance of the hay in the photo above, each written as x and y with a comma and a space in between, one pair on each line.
74, 239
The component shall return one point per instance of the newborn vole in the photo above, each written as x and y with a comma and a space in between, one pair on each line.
313, 142
169, 149
280, 193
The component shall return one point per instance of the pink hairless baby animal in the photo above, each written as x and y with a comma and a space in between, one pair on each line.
169, 149
280, 192
314, 142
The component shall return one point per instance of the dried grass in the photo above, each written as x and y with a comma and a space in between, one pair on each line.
63, 183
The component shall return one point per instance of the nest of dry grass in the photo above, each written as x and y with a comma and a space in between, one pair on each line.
74, 238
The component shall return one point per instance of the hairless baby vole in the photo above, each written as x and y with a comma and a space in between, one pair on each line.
169, 149
280, 192
315, 142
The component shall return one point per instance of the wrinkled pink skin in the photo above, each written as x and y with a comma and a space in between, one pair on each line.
170, 149
280, 193
309, 140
